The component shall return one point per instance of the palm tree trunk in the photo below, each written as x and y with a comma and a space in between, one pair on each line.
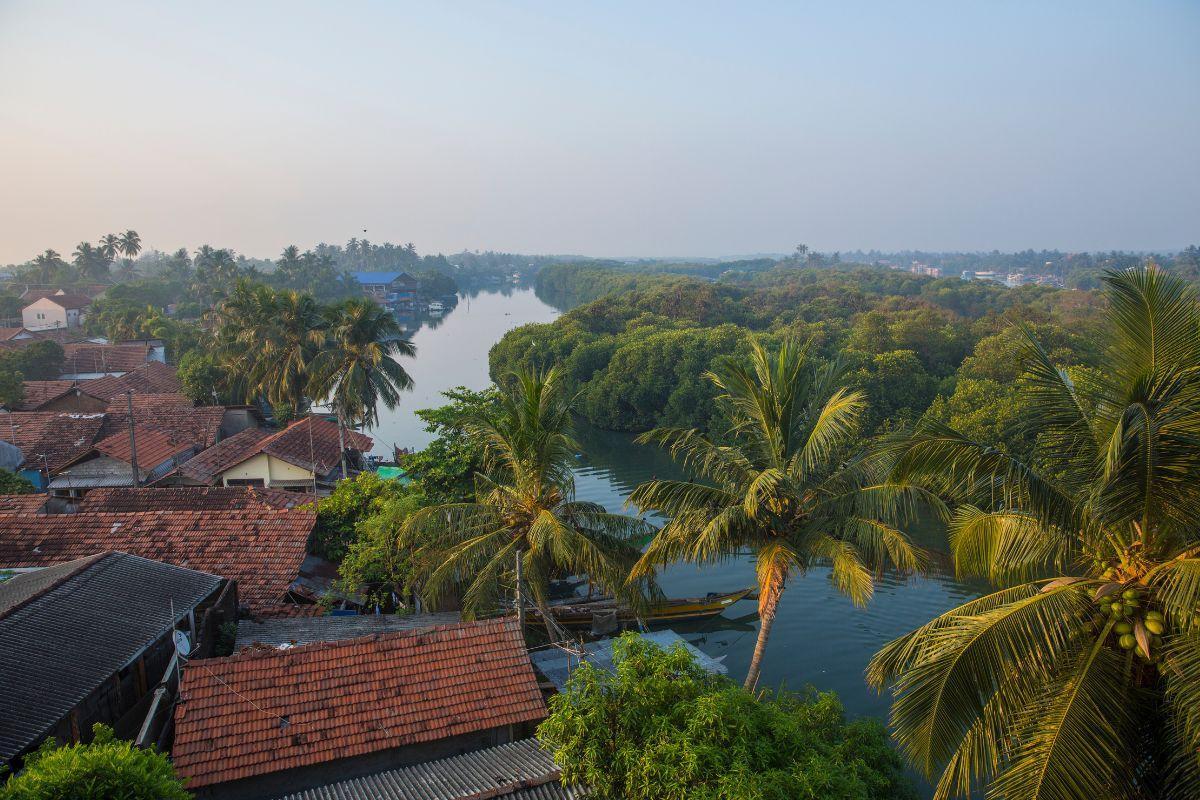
767, 606
342, 442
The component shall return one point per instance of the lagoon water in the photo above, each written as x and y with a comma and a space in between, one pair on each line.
819, 638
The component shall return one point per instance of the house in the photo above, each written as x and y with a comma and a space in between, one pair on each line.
110, 462
267, 722
87, 640
285, 632
259, 548
85, 360
59, 396
173, 414
519, 770
48, 440
62, 309
397, 289
304, 456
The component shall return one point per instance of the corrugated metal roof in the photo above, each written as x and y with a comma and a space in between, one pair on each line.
277, 632
519, 771
72, 633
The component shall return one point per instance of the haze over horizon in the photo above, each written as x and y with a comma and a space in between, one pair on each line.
678, 129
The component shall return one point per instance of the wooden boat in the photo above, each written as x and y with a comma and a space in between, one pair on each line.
583, 613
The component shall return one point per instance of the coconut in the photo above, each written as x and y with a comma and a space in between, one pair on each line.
1127, 641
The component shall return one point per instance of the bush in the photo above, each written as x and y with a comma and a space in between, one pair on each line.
350, 502
12, 483
105, 769
662, 728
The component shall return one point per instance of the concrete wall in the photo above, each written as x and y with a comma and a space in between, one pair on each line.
267, 469
43, 314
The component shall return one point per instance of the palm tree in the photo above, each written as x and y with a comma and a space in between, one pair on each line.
784, 488
88, 261
110, 245
130, 245
287, 336
1080, 676
525, 524
357, 368
48, 263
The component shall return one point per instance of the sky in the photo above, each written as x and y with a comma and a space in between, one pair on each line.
606, 129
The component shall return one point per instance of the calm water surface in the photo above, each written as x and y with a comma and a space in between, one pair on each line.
819, 638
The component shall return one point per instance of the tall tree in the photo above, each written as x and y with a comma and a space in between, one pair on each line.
110, 245
89, 262
285, 342
786, 487
1080, 676
524, 511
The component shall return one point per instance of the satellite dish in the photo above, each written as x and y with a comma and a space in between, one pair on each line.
182, 645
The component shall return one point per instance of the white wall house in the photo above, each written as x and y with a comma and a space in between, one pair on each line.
56, 311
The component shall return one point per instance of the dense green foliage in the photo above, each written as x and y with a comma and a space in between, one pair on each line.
376, 567
12, 483
636, 355
104, 769
446, 467
661, 728
350, 502
42, 360
1080, 676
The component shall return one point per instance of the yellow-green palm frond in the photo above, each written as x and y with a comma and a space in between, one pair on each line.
1176, 585
1076, 736
960, 665
848, 573
880, 544
1004, 546
696, 452
1181, 670
834, 425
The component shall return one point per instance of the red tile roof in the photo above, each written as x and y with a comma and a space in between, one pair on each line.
208, 464
8, 333
21, 503
172, 414
153, 377
312, 443
185, 498
37, 393
154, 446
59, 436
84, 357
349, 698
261, 548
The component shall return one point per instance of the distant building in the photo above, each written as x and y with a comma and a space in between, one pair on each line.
1014, 280
85, 360
86, 641
267, 722
59, 310
395, 289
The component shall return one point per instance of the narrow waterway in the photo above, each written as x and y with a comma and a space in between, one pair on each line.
819, 639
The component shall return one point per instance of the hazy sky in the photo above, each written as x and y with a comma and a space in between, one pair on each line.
642, 128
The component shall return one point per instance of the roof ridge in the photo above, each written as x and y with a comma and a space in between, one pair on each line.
81, 564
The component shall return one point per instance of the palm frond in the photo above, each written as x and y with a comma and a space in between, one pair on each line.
1004, 546
848, 573
834, 425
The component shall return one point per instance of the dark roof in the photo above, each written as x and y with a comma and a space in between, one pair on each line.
261, 548
170, 413
153, 377
86, 358
60, 436
70, 300
519, 770
208, 464
349, 698
186, 498
276, 632
67, 632
377, 278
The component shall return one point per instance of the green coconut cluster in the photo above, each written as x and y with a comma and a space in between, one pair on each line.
1135, 626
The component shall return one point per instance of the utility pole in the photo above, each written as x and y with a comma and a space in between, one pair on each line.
132, 438
520, 599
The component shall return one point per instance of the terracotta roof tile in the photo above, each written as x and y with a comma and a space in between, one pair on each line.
312, 443
59, 436
85, 357
71, 300
349, 698
262, 549
21, 503
38, 393
185, 498
172, 414
154, 446
153, 377
210, 463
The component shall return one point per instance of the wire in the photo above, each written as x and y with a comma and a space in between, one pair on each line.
284, 720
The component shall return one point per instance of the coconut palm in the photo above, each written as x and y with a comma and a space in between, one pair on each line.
48, 264
785, 488
89, 262
524, 512
110, 245
130, 244
287, 336
357, 369
1080, 676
